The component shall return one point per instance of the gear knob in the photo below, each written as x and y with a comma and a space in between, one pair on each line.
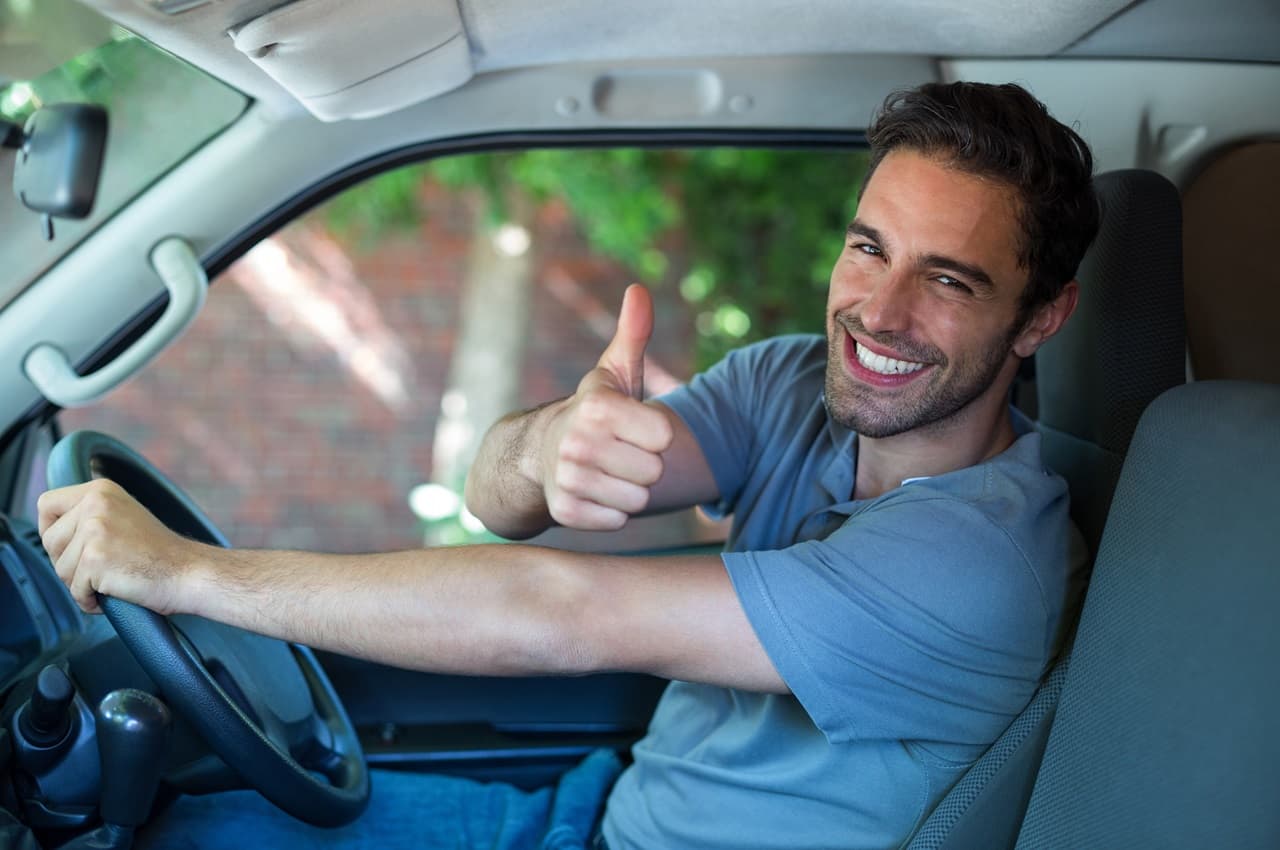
133, 733
47, 717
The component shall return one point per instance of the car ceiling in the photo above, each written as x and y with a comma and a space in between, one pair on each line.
504, 34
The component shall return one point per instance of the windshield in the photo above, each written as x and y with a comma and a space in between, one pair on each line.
161, 109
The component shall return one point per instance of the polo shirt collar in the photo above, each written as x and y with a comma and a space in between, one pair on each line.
837, 478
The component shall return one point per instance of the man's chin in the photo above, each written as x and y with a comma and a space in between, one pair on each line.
876, 428
858, 410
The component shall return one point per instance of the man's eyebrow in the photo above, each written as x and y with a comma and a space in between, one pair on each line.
975, 274
857, 228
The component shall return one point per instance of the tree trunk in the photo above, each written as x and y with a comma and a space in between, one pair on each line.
485, 372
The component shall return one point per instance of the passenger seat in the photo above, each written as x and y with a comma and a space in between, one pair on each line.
1168, 731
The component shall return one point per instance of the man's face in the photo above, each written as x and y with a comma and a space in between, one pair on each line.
923, 299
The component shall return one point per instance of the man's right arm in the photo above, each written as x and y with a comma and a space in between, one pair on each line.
596, 458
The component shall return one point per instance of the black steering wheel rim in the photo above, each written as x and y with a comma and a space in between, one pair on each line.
183, 679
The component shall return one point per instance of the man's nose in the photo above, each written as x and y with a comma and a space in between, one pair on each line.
889, 306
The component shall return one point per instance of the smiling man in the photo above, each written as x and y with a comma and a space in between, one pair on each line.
900, 562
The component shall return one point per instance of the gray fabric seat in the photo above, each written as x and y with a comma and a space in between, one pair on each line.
1166, 733
1124, 346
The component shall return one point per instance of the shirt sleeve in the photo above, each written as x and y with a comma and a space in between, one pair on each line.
725, 406
918, 619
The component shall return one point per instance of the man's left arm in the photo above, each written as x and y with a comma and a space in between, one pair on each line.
505, 610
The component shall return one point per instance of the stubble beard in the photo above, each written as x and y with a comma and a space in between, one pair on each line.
877, 413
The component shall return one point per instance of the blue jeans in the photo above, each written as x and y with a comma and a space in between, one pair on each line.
406, 810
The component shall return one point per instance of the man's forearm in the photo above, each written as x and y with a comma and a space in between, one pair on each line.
504, 488
486, 610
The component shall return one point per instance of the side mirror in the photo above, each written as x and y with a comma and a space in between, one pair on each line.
59, 164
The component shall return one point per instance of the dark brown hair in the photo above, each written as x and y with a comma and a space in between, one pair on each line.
1004, 133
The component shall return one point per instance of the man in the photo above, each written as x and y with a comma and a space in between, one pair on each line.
898, 567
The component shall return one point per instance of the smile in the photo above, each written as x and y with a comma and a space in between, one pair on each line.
872, 368
882, 365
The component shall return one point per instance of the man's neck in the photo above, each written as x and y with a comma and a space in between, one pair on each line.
977, 433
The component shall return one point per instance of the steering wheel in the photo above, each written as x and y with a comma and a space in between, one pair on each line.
264, 706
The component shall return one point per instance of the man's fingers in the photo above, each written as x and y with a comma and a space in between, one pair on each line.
83, 593
591, 485
646, 427
584, 515
624, 357
52, 504
56, 536
630, 463
67, 564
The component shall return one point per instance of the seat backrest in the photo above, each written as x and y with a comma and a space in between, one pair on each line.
1124, 346
984, 809
1166, 733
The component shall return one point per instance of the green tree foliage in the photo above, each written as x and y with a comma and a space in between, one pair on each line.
748, 235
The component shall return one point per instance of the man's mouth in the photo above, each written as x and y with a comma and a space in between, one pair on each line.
884, 365
878, 369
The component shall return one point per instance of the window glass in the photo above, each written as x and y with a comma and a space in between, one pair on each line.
333, 391
160, 110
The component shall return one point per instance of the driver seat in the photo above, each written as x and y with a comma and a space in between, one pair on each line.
1125, 345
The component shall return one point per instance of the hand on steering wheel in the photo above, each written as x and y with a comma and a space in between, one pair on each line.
264, 706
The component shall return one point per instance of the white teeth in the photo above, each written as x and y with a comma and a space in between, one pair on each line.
885, 365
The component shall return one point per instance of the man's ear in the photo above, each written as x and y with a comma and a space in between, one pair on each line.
1046, 321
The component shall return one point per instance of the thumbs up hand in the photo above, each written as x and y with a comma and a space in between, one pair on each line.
604, 448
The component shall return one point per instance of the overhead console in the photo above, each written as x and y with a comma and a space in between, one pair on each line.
350, 60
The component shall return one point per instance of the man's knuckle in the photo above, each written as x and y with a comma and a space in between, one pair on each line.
594, 408
103, 487
575, 448
637, 500
93, 526
567, 477
664, 433
651, 469
560, 504
93, 551
96, 502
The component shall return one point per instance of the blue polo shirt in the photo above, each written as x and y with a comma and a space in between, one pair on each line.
910, 628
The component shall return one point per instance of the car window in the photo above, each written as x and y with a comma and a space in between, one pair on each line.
160, 110
333, 391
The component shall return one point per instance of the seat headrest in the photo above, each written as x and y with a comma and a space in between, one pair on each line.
1124, 346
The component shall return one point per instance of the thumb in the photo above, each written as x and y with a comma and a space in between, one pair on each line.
625, 355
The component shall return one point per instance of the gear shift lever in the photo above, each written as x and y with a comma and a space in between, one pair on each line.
133, 730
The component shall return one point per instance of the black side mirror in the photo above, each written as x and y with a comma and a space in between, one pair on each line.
60, 153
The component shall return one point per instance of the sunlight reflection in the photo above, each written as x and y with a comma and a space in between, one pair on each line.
306, 284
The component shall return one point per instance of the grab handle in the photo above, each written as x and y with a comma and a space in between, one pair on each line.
49, 368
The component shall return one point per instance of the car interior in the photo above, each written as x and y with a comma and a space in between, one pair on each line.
239, 151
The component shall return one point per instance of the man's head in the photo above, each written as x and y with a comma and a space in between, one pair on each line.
975, 213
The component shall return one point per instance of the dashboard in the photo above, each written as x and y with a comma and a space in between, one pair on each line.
37, 615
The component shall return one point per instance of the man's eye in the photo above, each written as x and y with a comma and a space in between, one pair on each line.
869, 250
952, 283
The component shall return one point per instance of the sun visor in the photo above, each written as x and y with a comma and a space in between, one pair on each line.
346, 59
